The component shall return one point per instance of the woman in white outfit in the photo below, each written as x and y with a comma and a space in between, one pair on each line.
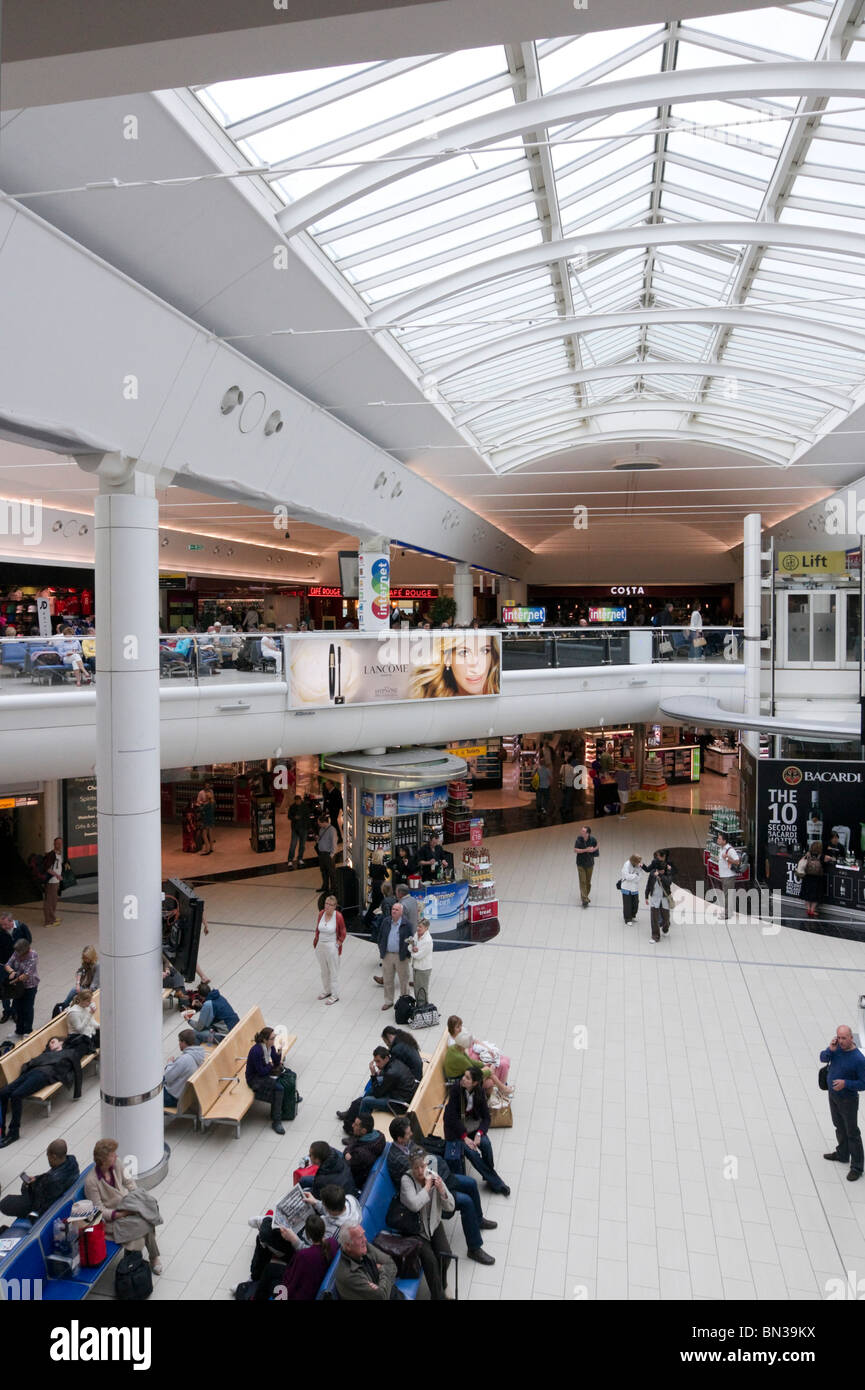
630, 883
421, 955
330, 933
697, 641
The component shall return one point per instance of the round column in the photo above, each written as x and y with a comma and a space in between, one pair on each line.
463, 595
128, 807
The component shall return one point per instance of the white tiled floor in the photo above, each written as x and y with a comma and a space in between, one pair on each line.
677, 1155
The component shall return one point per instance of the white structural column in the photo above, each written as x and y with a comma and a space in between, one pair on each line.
127, 775
752, 571
464, 595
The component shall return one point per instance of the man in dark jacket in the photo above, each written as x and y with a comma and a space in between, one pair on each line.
61, 1061
391, 1085
39, 1193
332, 1169
363, 1148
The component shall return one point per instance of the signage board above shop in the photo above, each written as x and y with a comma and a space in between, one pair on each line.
324, 591
513, 614
413, 591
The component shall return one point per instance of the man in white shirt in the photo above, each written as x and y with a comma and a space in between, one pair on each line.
728, 868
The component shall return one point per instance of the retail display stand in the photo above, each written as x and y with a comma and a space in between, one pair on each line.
458, 813
477, 870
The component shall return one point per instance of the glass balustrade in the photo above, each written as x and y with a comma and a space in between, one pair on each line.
62, 664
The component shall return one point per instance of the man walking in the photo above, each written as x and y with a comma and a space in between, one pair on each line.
586, 847
298, 819
845, 1079
569, 773
326, 848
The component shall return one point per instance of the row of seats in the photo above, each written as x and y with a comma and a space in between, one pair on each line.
24, 1273
12, 1062
217, 1092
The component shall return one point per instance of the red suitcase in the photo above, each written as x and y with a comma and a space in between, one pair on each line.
91, 1245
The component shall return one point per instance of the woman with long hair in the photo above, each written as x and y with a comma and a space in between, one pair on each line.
264, 1075
87, 974
463, 663
467, 1119
403, 1046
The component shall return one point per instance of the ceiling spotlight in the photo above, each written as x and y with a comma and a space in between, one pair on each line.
397, 492
379, 482
273, 424
268, 559
216, 549
164, 541
230, 550
58, 525
232, 398
288, 535
83, 529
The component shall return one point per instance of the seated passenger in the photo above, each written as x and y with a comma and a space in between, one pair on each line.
363, 1148
216, 1018
467, 1119
404, 1047
364, 1273
333, 1171
336, 1207
297, 1280
61, 1061
80, 1018
463, 1189
460, 1055
264, 1075
424, 1193
106, 1185
392, 1084
41, 1192
179, 1069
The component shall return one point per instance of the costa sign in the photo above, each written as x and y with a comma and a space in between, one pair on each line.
627, 589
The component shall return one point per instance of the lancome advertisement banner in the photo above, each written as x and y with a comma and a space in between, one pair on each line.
399, 665
800, 802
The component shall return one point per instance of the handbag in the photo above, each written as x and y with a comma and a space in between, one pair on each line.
665, 647
403, 1250
426, 1015
699, 641
823, 1078
501, 1116
801, 866
400, 1219
67, 879
92, 1248
618, 885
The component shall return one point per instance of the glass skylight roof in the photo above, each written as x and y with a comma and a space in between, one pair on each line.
393, 224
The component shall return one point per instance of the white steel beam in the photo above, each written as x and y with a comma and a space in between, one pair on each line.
617, 239
740, 81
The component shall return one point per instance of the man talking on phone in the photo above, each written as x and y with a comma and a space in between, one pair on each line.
845, 1079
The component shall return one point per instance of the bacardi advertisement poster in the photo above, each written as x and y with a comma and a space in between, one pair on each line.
355, 669
803, 801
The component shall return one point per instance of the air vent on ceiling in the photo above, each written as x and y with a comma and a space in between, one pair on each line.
635, 466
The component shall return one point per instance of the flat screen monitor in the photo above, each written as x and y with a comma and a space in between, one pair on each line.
348, 581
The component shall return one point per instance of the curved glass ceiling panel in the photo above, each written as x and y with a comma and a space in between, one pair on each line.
763, 158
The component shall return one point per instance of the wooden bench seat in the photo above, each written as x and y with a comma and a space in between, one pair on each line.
12, 1062
218, 1090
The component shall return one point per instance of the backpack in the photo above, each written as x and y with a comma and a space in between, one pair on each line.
404, 1010
290, 1099
133, 1279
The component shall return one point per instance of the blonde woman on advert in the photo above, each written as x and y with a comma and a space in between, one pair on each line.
464, 663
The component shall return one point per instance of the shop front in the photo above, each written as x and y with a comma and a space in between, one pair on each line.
68, 594
636, 603
804, 802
